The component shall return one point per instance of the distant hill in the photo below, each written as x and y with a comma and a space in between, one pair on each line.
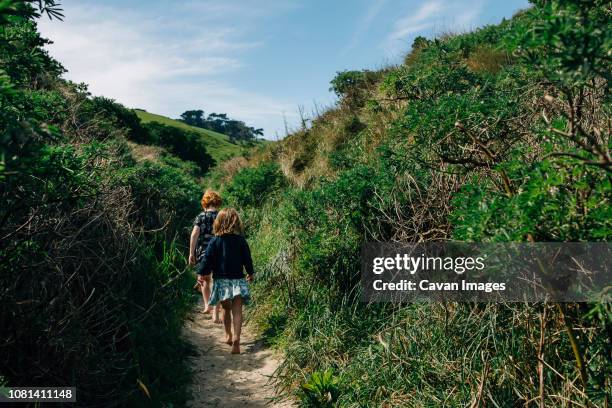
217, 144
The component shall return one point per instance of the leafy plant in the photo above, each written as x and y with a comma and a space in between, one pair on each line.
352, 86
321, 390
251, 186
186, 145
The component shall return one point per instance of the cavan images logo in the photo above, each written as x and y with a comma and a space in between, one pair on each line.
500, 272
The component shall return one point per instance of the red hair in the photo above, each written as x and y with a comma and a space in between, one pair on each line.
211, 199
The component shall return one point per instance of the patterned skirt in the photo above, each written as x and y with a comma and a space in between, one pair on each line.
224, 289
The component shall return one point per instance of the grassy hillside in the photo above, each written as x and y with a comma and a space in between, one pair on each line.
501, 134
217, 144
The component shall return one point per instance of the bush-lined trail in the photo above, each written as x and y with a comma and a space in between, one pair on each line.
221, 379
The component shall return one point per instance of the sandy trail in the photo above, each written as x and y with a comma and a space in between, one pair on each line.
225, 380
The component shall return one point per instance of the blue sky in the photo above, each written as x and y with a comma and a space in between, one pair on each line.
256, 61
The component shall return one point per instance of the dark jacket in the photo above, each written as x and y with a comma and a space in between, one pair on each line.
227, 255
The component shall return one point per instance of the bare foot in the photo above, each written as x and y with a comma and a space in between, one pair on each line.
206, 310
228, 340
236, 347
217, 320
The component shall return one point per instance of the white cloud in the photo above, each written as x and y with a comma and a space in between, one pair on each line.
432, 16
466, 18
155, 63
252, 108
418, 21
244, 9
372, 12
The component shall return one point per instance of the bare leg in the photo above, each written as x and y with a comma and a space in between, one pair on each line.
216, 313
227, 320
206, 292
201, 289
237, 318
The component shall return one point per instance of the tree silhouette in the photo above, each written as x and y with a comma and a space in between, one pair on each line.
236, 130
193, 117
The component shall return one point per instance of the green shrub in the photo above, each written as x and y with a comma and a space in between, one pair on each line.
353, 86
97, 291
161, 194
321, 390
184, 144
568, 41
115, 116
554, 202
251, 186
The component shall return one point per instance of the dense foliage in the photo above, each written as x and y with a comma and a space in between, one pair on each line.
501, 134
252, 185
186, 145
93, 291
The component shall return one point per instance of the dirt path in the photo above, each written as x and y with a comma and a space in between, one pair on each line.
225, 380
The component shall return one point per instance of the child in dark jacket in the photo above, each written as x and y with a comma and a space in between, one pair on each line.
228, 256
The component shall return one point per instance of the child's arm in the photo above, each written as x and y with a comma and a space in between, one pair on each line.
248, 261
195, 234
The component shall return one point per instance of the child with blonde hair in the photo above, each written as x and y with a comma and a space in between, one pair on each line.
228, 256
201, 235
